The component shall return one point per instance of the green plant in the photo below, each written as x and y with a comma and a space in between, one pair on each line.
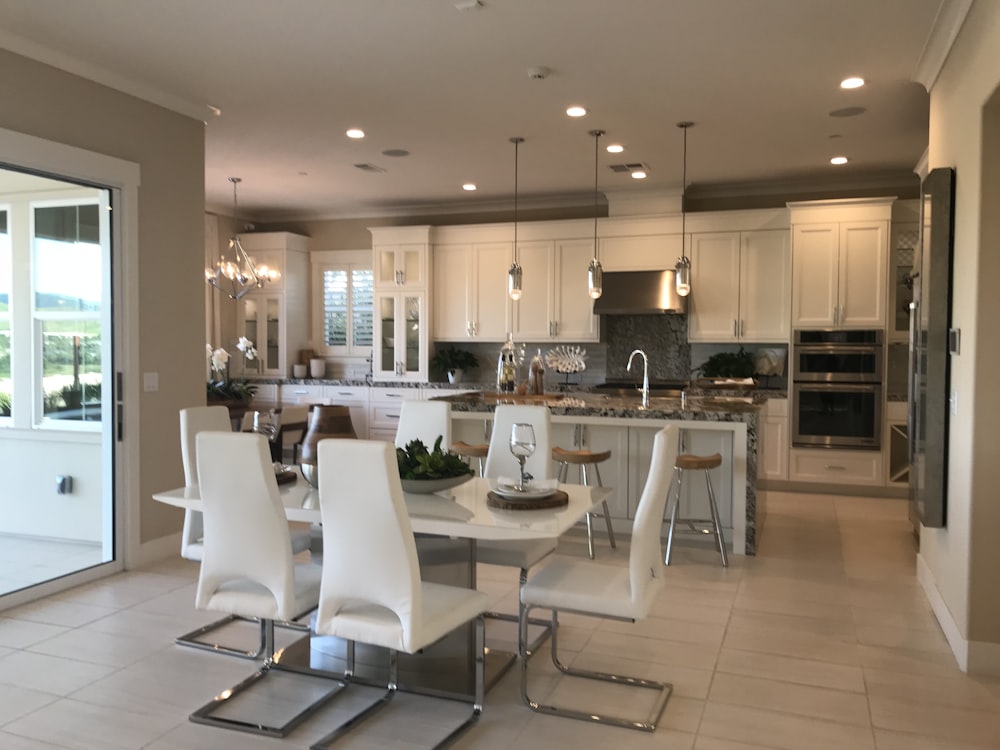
4, 404
230, 390
416, 462
452, 358
729, 365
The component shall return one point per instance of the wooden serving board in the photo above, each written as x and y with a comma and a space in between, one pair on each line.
555, 500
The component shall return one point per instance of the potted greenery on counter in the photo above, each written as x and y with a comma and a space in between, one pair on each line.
454, 362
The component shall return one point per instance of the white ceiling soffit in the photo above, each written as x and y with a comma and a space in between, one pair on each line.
759, 78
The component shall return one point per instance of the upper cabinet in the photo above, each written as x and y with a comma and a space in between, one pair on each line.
840, 263
740, 285
470, 283
401, 257
555, 303
276, 316
401, 262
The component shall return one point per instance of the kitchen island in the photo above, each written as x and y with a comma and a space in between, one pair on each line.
596, 421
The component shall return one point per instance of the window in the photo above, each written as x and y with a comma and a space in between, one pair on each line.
346, 309
6, 386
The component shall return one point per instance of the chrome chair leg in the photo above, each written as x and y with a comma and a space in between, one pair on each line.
673, 500
647, 724
191, 639
719, 539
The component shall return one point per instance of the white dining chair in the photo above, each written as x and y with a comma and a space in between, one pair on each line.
520, 554
247, 569
372, 592
193, 421
425, 421
598, 589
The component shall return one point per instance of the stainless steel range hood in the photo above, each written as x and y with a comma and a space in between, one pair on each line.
640, 293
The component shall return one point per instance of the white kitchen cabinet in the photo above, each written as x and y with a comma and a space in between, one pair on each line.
834, 466
385, 405
400, 341
554, 303
614, 472
470, 291
276, 316
355, 398
840, 264
772, 440
400, 265
740, 287
640, 253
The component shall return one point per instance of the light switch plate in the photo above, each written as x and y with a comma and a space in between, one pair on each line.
150, 381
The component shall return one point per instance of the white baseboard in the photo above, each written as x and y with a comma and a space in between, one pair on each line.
159, 549
959, 645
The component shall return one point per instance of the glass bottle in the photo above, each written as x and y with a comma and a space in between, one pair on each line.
506, 366
536, 375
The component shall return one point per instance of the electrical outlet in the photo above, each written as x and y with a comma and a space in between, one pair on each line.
150, 382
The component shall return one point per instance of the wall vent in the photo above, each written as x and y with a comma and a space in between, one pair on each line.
629, 167
366, 167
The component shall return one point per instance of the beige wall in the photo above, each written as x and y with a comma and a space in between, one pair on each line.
169, 149
964, 557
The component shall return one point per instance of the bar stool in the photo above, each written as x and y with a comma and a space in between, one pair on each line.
687, 462
585, 459
468, 452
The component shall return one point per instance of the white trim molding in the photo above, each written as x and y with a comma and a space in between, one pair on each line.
951, 15
959, 645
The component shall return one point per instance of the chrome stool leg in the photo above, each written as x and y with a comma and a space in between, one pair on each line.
715, 521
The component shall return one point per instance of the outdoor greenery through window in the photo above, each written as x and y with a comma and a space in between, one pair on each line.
347, 308
68, 288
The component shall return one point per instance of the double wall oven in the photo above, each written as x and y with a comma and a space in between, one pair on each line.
837, 388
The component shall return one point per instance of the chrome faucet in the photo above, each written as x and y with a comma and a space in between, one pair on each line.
645, 374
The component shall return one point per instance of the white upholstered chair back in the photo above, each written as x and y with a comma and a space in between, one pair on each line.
369, 553
246, 533
194, 420
424, 421
645, 563
500, 461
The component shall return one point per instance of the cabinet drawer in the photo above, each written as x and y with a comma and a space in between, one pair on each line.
385, 416
302, 394
835, 467
346, 394
394, 395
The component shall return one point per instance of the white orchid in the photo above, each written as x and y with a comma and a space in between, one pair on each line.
246, 346
220, 359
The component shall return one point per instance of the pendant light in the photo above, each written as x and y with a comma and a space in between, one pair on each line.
683, 266
514, 274
595, 274
239, 276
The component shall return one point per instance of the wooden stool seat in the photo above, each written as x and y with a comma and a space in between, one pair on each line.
584, 460
577, 458
472, 451
688, 461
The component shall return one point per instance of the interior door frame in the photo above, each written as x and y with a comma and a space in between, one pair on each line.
121, 177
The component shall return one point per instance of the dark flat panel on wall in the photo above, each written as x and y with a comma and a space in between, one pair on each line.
930, 360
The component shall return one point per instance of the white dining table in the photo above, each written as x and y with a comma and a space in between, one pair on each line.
461, 511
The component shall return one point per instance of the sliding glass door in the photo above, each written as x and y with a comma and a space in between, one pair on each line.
57, 417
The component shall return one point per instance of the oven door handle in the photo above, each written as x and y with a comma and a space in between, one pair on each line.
837, 348
850, 387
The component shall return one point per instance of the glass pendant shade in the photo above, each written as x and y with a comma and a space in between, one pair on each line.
683, 269
514, 281
595, 279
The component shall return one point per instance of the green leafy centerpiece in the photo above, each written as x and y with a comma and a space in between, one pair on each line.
426, 471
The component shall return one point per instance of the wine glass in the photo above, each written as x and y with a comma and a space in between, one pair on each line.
522, 445
268, 423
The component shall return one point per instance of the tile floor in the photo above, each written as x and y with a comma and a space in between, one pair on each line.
26, 561
823, 641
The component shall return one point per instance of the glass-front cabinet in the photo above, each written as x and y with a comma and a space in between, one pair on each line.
261, 323
401, 340
401, 266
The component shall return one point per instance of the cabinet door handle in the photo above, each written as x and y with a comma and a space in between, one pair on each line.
393, 395
475, 328
835, 315
392, 416
555, 326
835, 467
743, 328
344, 393
402, 278
840, 315
734, 327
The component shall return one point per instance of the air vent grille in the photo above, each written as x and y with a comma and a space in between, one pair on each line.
367, 167
629, 167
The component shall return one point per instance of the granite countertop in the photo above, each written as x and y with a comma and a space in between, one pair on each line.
715, 408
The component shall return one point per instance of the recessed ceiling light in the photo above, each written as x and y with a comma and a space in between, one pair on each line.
854, 82
638, 174
838, 160
576, 111
355, 133
615, 148
470, 186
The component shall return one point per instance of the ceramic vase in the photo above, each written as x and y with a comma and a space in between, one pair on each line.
324, 422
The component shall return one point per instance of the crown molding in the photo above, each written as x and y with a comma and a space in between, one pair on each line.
951, 15
56, 59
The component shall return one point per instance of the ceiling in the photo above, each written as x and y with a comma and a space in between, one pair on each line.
759, 78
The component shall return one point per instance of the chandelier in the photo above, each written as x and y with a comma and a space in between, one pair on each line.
515, 275
683, 266
238, 276
595, 273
